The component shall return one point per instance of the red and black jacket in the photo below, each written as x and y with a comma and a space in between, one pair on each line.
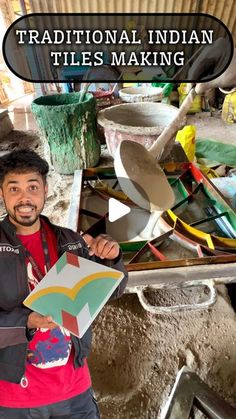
14, 289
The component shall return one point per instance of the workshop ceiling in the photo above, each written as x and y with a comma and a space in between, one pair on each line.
225, 10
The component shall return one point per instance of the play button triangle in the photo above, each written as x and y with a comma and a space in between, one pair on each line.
116, 209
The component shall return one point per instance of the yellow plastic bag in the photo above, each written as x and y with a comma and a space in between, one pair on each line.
197, 102
229, 108
186, 137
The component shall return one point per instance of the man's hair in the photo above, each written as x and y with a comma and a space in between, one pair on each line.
22, 161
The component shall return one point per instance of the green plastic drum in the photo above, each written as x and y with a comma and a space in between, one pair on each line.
69, 126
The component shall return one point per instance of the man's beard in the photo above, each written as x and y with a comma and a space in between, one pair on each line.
26, 221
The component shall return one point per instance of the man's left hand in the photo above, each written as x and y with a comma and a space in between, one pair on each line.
103, 246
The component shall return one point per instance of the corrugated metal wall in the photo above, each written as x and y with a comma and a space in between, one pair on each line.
225, 10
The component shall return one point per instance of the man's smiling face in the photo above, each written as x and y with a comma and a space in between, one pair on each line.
24, 197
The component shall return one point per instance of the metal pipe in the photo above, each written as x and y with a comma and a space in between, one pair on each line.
23, 7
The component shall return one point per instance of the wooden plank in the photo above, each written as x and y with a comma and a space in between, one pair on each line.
161, 264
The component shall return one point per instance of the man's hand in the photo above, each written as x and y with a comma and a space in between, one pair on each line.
102, 246
36, 320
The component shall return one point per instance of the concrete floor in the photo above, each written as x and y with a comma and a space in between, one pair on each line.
213, 127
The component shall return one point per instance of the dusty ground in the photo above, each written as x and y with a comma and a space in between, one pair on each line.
213, 128
134, 363
136, 355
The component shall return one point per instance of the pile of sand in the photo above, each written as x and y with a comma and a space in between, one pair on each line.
136, 355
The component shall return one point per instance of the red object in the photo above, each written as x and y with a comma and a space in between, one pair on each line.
72, 259
70, 322
102, 93
156, 252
